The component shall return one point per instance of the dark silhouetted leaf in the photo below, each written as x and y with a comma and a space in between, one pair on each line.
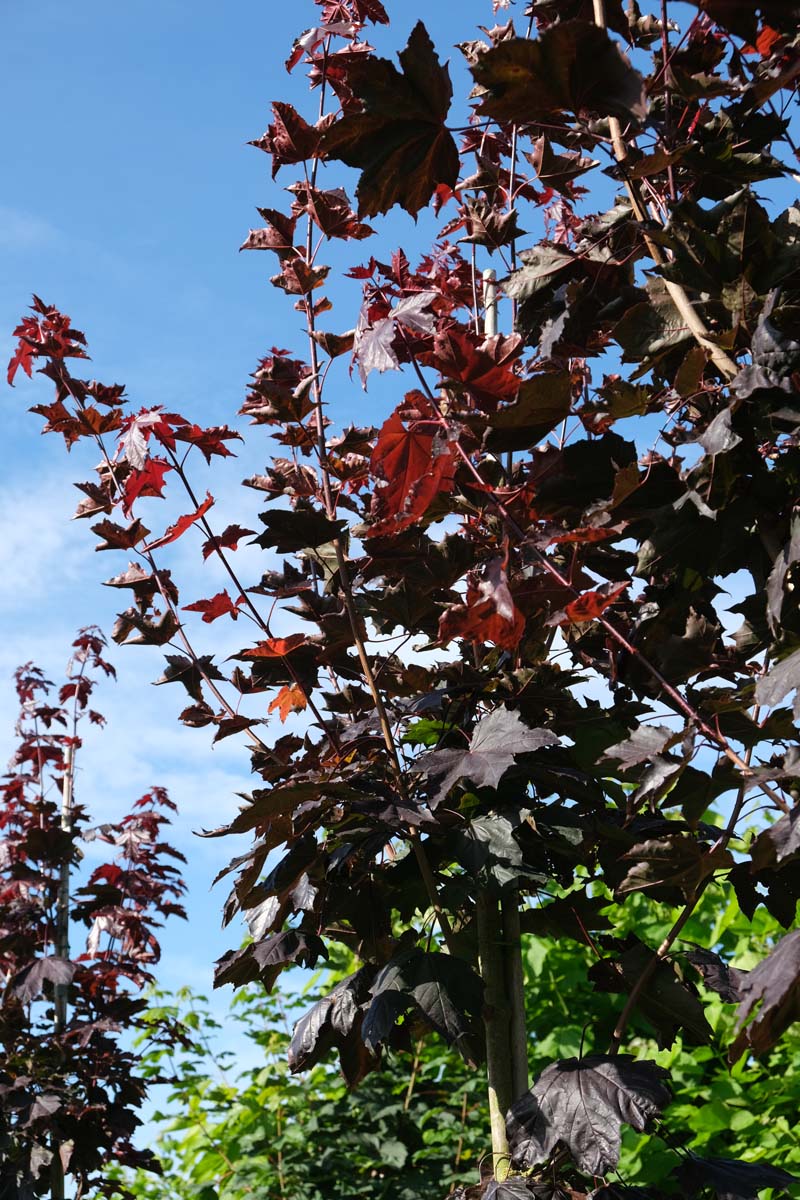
572, 67
288, 532
330, 1019
666, 1002
665, 864
544, 401
782, 678
730, 1179
399, 141
29, 983
495, 742
779, 843
445, 990
717, 975
773, 986
583, 1104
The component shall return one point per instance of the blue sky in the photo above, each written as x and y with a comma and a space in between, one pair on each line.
128, 187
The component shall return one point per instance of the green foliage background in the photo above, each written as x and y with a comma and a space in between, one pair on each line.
410, 1130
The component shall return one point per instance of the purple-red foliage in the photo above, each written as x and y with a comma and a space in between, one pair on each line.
69, 1092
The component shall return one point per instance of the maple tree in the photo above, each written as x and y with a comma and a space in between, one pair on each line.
69, 1093
507, 518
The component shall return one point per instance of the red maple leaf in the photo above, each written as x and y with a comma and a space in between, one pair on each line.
590, 605
290, 139
208, 441
489, 614
276, 647
217, 606
181, 525
353, 10
48, 333
22, 357
289, 699
482, 367
149, 481
227, 540
417, 461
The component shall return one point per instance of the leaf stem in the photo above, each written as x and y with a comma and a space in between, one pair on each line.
723, 362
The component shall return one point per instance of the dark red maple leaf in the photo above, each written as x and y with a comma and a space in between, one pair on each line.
208, 441
277, 234
330, 210
290, 138
399, 139
227, 540
149, 481
218, 606
489, 614
183, 523
359, 11
22, 357
48, 334
482, 366
118, 537
417, 461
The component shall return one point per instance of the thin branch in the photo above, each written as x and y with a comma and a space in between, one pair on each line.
669, 690
723, 362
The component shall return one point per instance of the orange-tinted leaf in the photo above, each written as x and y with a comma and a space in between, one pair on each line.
586, 534
289, 699
590, 605
181, 525
217, 606
276, 647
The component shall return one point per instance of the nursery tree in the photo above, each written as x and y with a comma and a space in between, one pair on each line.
68, 1092
547, 507
413, 1126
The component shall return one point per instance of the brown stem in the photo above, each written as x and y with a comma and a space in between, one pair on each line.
515, 989
686, 912
667, 94
723, 362
669, 690
460, 1143
256, 615
60, 993
355, 621
496, 1024
62, 904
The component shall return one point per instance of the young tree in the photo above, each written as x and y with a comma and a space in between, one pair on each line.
552, 505
68, 1092
228, 1132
